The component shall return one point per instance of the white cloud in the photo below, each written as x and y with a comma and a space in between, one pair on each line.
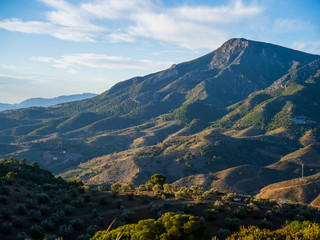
133, 20
5, 66
291, 25
101, 61
8, 79
186, 26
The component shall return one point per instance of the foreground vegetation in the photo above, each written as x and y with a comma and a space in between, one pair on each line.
36, 205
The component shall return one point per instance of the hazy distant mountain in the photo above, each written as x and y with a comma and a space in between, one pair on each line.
228, 119
46, 102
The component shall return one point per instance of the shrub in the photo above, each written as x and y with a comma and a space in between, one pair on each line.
265, 224
145, 198
84, 237
239, 212
45, 210
6, 227
158, 179
78, 203
232, 223
58, 217
35, 215
210, 214
66, 198
130, 196
76, 223
94, 213
3, 199
42, 198
187, 208
65, 230
116, 187
6, 213
47, 224
178, 195
103, 200
149, 185
68, 209
92, 229
269, 215
18, 222
218, 205
51, 237
22, 236
223, 233
131, 186
36, 231
117, 203
86, 197
100, 221
4, 190
124, 188
126, 214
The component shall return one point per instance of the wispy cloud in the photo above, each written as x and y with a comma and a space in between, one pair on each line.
291, 25
8, 79
133, 20
101, 61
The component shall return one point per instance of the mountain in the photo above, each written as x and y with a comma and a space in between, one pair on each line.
46, 102
238, 119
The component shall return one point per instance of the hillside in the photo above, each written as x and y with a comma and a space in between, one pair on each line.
237, 119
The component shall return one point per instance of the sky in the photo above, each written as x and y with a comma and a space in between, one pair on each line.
50, 48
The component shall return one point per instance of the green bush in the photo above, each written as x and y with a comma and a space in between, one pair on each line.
6, 213
158, 179
22, 236
210, 214
5, 190
6, 227
18, 222
92, 229
240, 212
76, 223
103, 200
42, 198
45, 210
232, 223
47, 224
265, 224
36, 231
84, 237
4, 199
168, 226
65, 230
34, 215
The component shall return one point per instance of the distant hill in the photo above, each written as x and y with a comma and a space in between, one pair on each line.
46, 102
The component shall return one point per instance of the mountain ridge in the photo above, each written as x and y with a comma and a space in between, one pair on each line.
45, 102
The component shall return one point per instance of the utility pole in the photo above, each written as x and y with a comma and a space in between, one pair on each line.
302, 172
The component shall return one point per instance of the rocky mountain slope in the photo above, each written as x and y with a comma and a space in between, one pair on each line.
239, 118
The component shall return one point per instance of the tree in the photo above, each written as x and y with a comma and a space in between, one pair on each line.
22, 161
158, 179
34, 164
168, 226
12, 175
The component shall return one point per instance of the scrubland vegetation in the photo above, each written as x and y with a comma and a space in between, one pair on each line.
36, 205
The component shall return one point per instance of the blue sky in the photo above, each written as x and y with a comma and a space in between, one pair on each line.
50, 48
